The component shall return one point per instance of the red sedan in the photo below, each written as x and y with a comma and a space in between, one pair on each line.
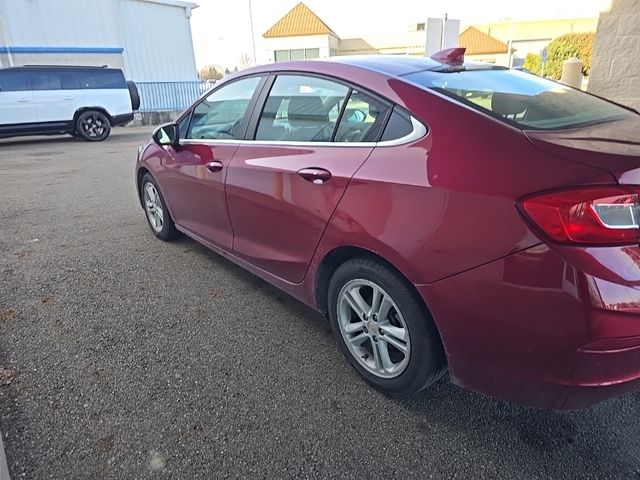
444, 215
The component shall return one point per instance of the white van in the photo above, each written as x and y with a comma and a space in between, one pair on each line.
53, 100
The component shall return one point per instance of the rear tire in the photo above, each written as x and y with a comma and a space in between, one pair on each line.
383, 328
93, 125
155, 207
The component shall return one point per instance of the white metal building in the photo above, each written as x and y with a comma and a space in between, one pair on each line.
149, 39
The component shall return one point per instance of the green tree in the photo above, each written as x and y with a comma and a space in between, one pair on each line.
210, 72
578, 45
533, 63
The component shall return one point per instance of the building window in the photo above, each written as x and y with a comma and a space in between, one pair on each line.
296, 54
420, 27
282, 55
312, 53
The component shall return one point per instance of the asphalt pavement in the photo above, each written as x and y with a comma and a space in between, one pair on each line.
125, 357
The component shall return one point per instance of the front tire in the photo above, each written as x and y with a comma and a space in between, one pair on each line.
383, 328
155, 207
93, 126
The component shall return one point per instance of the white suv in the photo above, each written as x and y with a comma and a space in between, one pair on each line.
52, 100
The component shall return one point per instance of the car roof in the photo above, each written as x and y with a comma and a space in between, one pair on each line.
390, 65
394, 65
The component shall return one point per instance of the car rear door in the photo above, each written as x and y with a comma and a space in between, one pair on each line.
283, 186
52, 103
16, 98
193, 175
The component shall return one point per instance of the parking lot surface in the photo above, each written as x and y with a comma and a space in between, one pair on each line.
125, 357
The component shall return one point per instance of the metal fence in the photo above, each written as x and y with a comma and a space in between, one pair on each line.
163, 96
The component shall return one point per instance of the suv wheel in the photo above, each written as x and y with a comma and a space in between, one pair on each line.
384, 330
93, 125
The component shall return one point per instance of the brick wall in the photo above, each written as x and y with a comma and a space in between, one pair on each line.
615, 69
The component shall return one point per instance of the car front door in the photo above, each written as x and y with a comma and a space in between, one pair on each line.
16, 98
283, 186
194, 172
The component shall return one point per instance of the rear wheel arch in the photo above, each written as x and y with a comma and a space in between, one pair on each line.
336, 257
80, 111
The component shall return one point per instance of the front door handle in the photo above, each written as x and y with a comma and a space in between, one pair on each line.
214, 166
317, 176
24, 100
68, 98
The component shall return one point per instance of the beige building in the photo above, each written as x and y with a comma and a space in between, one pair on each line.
532, 36
615, 68
301, 34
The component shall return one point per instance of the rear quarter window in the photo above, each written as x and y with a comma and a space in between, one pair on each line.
399, 125
101, 79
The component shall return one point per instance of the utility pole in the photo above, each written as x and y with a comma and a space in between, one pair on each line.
253, 37
510, 64
5, 37
444, 31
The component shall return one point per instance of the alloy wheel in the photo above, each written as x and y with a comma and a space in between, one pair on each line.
373, 328
153, 207
93, 126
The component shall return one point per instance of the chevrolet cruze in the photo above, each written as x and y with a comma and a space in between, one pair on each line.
444, 215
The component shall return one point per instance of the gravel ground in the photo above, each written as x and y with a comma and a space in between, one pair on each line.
125, 357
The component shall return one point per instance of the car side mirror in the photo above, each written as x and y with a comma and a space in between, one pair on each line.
166, 134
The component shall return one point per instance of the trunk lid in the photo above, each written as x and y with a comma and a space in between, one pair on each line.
613, 146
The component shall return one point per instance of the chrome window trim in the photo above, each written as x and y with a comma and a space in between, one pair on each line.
419, 131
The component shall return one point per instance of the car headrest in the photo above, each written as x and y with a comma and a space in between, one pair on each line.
306, 111
508, 103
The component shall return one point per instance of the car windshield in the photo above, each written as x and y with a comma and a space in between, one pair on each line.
522, 98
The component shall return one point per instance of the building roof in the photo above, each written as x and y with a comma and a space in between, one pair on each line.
298, 22
479, 43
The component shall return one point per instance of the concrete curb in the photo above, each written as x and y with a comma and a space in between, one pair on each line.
4, 470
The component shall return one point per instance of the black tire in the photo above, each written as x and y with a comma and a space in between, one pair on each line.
167, 230
134, 94
426, 359
93, 125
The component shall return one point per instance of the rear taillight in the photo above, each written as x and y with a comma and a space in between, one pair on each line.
594, 215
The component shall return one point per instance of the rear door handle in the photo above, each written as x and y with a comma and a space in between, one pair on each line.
214, 166
24, 100
317, 176
68, 98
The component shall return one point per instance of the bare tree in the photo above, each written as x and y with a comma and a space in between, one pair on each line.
245, 61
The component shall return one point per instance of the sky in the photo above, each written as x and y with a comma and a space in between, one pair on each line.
222, 30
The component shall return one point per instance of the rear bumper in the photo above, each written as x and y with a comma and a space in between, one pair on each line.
547, 328
121, 119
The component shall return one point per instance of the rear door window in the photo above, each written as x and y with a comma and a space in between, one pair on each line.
13, 81
301, 108
363, 119
46, 81
70, 81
